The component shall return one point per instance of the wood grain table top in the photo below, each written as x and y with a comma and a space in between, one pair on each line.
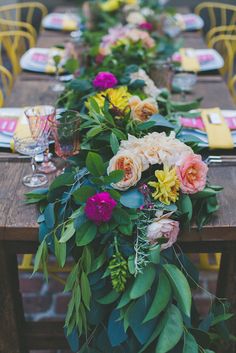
18, 220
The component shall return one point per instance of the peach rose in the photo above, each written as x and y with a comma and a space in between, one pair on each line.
163, 228
192, 173
131, 164
142, 110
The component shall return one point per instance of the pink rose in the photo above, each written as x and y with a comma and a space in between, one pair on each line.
105, 80
146, 26
192, 173
99, 207
163, 228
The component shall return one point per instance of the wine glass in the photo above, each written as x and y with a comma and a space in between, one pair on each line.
65, 130
185, 82
40, 128
58, 86
32, 147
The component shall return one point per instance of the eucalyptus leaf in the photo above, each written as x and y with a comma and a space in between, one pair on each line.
172, 331
143, 282
190, 344
180, 287
161, 298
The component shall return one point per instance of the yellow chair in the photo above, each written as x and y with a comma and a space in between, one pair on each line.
24, 12
232, 87
209, 262
217, 14
10, 25
26, 265
6, 82
216, 31
225, 44
8, 52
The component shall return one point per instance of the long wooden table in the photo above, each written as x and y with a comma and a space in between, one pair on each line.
19, 229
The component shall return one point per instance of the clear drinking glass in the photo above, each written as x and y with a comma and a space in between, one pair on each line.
184, 81
40, 128
57, 86
65, 130
32, 147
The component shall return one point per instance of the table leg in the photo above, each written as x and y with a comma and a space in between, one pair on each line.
11, 309
226, 286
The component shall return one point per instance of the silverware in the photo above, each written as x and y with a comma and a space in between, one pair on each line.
219, 160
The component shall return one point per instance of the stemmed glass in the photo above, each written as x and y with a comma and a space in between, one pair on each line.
31, 147
65, 130
185, 82
40, 129
57, 86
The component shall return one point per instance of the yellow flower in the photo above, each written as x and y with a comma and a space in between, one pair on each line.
110, 5
118, 98
167, 187
130, 2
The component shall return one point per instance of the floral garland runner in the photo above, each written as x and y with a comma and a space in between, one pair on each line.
118, 210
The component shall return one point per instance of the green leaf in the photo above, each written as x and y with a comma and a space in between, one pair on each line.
71, 65
155, 254
114, 177
132, 198
94, 164
72, 278
180, 287
83, 193
207, 192
121, 216
65, 179
161, 298
82, 86
172, 331
126, 229
86, 233
190, 344
109, 298
114, 142
186, 206
94, 131
143, 282
131, 265
85, 290
60, 252
221, 318
38, 256
67, 233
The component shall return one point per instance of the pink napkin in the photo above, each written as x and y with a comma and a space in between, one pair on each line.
197, 123
202, 58
40, 58
8, 125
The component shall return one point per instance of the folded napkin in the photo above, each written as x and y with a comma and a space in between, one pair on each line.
219, 134
69, 24
189, 60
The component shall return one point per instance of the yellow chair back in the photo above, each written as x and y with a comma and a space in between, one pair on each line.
217, 13
10, 25
216, 31
22, 12
8, 51
225, 44
232, 87
6, 82
208, 262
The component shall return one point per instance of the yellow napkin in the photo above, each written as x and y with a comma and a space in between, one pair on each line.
219, 134
69, 24
189, 62
22, 129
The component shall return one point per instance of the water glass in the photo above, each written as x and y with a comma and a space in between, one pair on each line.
30, 146
65, 130
184, 81
38, 118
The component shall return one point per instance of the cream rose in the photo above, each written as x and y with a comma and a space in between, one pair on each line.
135, 18
142, 110
132, 166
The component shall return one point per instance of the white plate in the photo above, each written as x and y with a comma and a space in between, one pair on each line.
61, 22
202, 135
191, 21
39, 59
209, 59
